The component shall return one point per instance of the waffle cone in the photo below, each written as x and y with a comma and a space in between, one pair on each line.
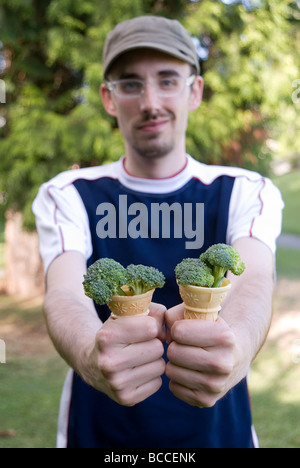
128, 306
203, 303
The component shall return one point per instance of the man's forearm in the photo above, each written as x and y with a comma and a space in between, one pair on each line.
71, 317
248, 310
72, 326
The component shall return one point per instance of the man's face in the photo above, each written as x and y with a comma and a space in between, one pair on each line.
152, 125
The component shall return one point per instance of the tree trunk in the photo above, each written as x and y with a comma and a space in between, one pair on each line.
23, 266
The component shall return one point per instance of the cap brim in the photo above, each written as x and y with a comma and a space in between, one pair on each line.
151, 46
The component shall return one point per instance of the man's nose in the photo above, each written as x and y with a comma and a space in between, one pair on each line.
149, 100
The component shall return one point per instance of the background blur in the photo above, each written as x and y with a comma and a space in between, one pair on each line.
51, 120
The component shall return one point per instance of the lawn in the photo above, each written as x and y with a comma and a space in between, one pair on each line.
288, 263
289, 185
275, 375
31, 380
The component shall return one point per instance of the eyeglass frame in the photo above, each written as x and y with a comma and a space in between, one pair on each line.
111, 87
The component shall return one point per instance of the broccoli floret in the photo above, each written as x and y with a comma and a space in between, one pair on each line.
104, 280
192, 271
141, 279
221, 258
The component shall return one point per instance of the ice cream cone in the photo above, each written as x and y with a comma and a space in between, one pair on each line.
203, 303
130, 305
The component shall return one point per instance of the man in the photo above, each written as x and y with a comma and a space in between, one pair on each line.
155, 206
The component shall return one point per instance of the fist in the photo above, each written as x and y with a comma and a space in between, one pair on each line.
202, 357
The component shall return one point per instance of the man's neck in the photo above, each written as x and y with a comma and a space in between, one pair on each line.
160, 168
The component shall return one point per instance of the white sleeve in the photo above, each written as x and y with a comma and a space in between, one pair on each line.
62, 222
255, 211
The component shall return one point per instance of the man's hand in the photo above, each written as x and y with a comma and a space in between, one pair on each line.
126, 361
121, 358
204, 360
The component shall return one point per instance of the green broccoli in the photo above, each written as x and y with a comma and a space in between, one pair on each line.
221, 258
192, 271
104, 279
141, 279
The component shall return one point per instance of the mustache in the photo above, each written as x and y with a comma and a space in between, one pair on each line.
152, 117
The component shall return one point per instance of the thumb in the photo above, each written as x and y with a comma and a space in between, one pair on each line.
172, 316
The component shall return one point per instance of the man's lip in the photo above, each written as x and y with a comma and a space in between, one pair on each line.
152, 126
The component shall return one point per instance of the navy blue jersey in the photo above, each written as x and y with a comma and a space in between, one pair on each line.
105, 212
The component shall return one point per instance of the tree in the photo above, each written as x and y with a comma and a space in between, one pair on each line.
254, 59
54, 116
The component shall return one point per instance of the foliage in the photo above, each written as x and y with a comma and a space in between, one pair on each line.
54, 116
254, 58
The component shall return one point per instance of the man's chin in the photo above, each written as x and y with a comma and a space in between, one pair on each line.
153, 151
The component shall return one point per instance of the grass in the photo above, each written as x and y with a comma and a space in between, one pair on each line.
275, 375
30, 391
31, 380
288, 263
289, 185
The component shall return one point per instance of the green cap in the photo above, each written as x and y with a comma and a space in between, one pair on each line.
150, 32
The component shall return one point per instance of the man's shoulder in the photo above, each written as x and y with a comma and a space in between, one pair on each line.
207, 174
67, 178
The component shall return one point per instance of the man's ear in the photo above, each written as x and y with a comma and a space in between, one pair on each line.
196, 94
107, 101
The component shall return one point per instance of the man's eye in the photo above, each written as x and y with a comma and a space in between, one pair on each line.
169, 83
129, 87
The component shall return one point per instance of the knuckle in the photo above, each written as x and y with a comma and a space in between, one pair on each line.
227, 338
108, 364
161, 367
217, 386
103, 338
159, 348
116, 383
176, 331
224, 366
205, 399
125, 398
151, 328
207, 402
171, 351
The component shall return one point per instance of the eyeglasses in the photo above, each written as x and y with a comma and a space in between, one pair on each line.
164, 87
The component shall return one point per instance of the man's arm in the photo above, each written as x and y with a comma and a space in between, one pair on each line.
207, 359
121, 358
248, 310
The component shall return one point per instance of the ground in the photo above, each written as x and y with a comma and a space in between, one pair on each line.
32, 378
275, 377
